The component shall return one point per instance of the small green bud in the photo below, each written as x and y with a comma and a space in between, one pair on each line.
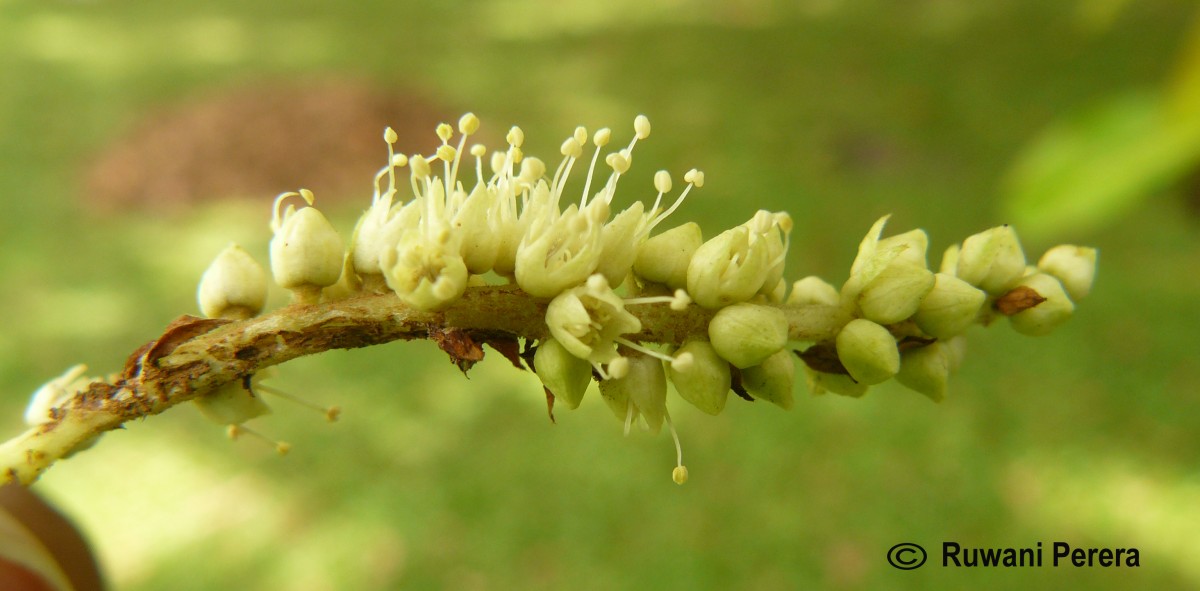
771, 230
868, 351
704, 382
1043, 318
1074, 266
813, 290
776, 294
619, 241
992, 260
664, 258
950, 261
895, 293
727, 269
926, 370
306, 252
772, 380
643, 389
565, 375
233, 286
747, 334
479, 240
949, 308
348, 285
912, 246
888, 278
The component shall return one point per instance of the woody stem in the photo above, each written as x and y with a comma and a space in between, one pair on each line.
165, 372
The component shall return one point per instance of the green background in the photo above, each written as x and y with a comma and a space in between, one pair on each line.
837, 111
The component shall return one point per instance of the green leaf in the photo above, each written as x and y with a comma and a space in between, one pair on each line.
1086, 171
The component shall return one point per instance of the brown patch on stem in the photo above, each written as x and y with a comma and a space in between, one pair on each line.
912, 343
823, 357
509, 347
462, 349
1017, 300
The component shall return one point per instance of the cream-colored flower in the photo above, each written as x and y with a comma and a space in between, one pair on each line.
588, 319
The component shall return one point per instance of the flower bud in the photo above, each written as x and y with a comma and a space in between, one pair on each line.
643, 389
479, 240
747, 334
949, 308
868, 351
895, 293
233, 286
772, 379
565, 375
949, 264
813, 291
911, 245
619, 242
926, 370
231, 404
1043, 318
776, 294
992, 260
727, 269
306, 252
769, 231
1074, 266
664, 258
348, 285
888, 278
705, 381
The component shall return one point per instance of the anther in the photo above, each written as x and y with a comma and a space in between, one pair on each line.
515, 137
680, 473
641, 126
602, 137
468, 124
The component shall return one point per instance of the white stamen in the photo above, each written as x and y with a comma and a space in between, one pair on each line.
331, 413
235, 431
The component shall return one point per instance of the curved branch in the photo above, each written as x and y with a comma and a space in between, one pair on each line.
194, 356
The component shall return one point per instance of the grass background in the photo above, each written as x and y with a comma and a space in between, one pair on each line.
838, 112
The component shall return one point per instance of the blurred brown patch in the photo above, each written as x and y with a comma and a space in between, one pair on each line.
258, 141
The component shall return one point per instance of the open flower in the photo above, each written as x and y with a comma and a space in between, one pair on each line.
587, 320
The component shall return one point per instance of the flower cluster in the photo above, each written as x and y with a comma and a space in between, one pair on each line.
457, 226
908, 322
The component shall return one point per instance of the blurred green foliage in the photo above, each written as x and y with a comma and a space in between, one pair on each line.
836, 111
1091, 168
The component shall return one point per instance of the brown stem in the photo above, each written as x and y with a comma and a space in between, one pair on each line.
194, 356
